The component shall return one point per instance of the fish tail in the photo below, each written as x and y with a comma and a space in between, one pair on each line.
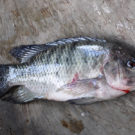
4, 85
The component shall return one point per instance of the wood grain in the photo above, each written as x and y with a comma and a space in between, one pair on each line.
41, 21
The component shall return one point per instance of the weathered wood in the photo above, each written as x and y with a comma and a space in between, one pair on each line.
41, 21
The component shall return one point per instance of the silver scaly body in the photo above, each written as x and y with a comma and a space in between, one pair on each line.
48, 71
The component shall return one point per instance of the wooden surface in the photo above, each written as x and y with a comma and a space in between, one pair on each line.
41, 21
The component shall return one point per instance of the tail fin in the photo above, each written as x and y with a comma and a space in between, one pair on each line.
4, 72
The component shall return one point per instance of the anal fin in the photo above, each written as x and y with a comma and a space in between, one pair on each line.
20, 94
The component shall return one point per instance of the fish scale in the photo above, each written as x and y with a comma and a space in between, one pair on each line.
47, 64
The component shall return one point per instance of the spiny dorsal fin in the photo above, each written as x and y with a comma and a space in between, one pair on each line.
20, 94
24, 53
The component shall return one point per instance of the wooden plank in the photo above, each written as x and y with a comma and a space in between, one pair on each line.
41, 21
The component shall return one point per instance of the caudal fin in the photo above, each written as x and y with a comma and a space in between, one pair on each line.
4, 71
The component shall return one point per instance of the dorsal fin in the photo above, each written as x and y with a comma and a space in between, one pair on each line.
23, 53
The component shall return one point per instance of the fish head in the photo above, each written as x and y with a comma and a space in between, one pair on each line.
119, 70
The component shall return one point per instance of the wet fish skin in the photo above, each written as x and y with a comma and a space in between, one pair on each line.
75, 63
57, 66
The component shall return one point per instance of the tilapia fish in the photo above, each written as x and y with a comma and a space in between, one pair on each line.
81, 70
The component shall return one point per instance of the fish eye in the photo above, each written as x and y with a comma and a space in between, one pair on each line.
131, 64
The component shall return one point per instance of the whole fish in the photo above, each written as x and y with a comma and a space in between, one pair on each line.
81, 70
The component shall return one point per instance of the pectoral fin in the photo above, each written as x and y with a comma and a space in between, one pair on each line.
80, 87
81, 91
